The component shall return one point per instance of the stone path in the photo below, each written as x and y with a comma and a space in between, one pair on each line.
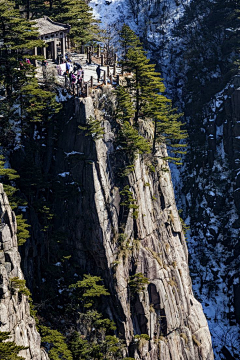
89, 71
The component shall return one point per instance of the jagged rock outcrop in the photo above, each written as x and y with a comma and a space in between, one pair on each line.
14, 307
152, 244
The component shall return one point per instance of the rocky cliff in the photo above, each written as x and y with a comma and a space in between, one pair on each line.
195, 48
105, 238
100, 215
14, 306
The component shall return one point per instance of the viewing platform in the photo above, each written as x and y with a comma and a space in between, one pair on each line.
57, 73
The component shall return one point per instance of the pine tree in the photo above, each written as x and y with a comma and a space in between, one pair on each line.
25, 101
19, 285
22, 230
132, 142
124, 109
17, 35
88, 290
95, 344
128, 39
145, 81
137, 283
146, 92
55, 344
167, 127
8, 349
128, 137
7, 175
37, 105
79, 15
33, 9
80, 347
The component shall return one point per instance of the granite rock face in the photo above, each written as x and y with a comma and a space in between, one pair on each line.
110, 241
14, 307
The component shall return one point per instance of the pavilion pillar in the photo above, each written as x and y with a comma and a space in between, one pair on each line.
68, 43
63, 46
44, 52
35, 53
54, 49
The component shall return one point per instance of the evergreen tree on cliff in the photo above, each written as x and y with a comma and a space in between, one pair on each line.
128, 39
17, 36
79, 15
146, 90
24, 101
125, 109
9, 350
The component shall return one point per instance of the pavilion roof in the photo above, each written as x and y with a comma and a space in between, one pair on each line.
47, 26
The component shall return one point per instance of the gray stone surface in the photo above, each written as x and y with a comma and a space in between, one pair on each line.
155, 245
14, 308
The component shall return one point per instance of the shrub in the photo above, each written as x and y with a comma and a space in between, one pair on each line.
142, 336
127, 170
195, 340
88, 289
129, 201
137, 283
156, 256
93, 128
185, 227
22, 230
8, 349
55, 344
20, 286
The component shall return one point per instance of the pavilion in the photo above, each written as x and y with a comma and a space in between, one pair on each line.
54, 34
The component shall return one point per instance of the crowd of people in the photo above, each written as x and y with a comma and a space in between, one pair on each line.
73, 72
77, 75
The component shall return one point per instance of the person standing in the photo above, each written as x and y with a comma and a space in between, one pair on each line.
67, 67
98, 71
79, 70
73, 78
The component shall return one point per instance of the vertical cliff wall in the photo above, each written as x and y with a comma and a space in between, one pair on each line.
106, 239
14, 307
